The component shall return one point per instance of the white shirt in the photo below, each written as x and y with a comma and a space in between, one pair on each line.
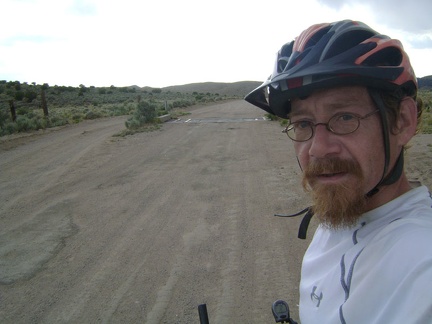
379, 272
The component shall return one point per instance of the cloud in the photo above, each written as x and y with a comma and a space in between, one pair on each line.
166, 42
83, 7
25, 38
410, 16
420, 42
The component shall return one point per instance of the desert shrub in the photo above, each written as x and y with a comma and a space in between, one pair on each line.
426, 127
145, 113
160, 112
121, 110
19, 95
29, 114
77, 117
93, 115
39, 122
132, 123
24, 124
182, 103
57, 120
271, 117
8, 128
4, 116
30, 95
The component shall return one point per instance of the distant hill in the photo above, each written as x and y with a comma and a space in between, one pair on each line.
425, 82
241, 88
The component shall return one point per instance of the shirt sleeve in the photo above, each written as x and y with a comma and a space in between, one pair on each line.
393, 280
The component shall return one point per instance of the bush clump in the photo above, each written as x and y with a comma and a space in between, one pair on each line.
144, 113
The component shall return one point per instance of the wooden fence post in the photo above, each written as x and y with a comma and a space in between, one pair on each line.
12, 110
44, 102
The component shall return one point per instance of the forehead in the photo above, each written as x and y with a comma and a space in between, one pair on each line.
332, 99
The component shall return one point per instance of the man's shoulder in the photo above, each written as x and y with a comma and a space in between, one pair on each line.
411, 217
405, 242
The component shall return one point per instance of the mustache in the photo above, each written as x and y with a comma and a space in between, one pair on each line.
331, 166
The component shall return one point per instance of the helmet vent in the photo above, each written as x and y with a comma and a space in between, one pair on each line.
345, 42
284, 56
389, 56
316, 37
286, 50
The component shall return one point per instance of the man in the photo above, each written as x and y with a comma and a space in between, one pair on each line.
350, 96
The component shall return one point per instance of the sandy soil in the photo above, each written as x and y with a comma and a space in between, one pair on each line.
95, 228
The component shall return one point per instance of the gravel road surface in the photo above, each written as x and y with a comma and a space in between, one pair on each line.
101, 229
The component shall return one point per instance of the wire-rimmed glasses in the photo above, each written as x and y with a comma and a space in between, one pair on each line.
340, 124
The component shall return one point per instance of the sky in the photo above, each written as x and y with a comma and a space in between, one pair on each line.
161, 43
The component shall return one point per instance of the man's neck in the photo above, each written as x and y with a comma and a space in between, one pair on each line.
389, 193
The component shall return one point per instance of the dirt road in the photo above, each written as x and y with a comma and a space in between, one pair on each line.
100, 229
96, 228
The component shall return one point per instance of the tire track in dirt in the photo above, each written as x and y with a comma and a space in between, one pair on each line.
35, 222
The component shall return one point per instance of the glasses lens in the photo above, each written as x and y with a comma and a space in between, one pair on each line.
300, 131
344, 123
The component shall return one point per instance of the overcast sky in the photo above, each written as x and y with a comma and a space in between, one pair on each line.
170, 42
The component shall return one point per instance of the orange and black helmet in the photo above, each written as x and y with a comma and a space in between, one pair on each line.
332, 54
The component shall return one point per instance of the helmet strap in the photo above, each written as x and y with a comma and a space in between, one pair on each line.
396, 172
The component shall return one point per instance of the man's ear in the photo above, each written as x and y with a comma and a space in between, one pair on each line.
407, 120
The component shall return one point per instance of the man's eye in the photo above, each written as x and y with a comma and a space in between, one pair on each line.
345, 117
302, 124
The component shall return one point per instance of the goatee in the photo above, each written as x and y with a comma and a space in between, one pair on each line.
336, 205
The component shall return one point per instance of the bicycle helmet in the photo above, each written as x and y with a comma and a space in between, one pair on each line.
331, 54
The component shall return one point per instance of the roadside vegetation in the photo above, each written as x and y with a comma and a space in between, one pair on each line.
26, 107
426, 96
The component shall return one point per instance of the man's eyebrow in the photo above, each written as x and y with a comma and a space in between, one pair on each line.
291, 114
339, 104
343, 103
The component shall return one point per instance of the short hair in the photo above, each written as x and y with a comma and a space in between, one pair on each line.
392, 102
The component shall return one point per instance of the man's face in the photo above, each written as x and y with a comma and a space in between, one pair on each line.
339, 169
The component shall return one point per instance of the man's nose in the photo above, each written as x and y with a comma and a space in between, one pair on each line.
324, 142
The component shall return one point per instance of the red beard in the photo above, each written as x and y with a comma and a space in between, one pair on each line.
336, 205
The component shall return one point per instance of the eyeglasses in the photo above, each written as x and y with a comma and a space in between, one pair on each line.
339, 124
